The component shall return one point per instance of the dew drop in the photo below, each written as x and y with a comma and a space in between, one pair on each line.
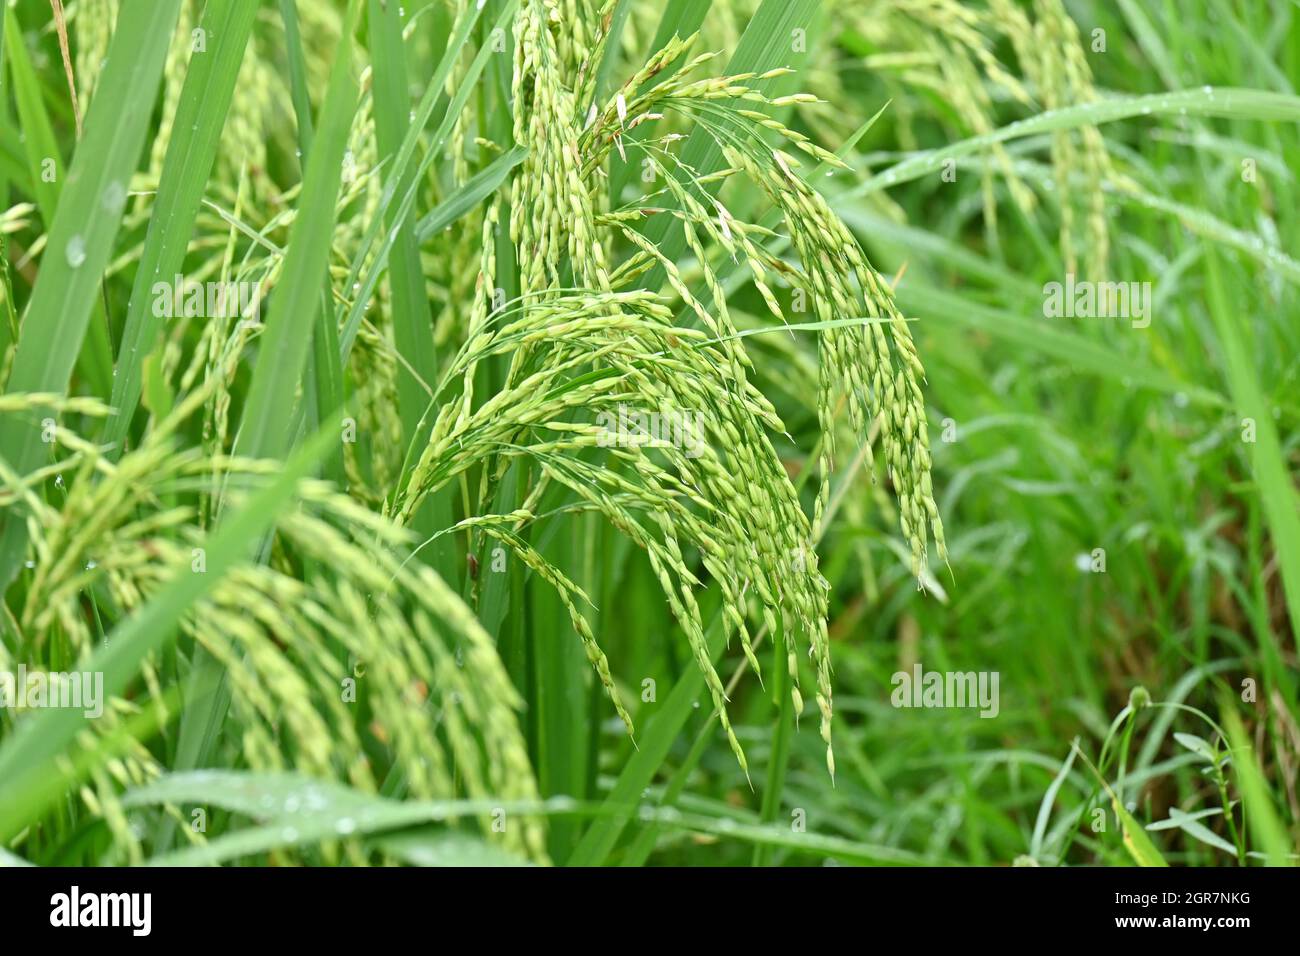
76, 252
345, 826
114, 197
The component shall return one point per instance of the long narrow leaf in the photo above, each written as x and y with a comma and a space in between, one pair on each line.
200, 116
292, 314
81, 237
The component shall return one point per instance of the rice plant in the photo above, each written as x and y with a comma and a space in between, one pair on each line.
481, 432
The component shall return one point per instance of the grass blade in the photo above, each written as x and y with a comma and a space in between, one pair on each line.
47, 172
403, 158
200, 117
1272, 474
652, 749
469, 194
1041, 335
81, 237
1227, 102
412, 317
38, 133
295, 303
320, 811
297, 74
1257, 807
